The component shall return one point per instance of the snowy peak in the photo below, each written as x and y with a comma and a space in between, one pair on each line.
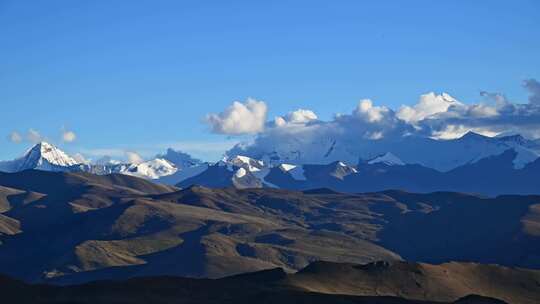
388, 159
44, 151
152, 169
249, 164
341, 164
474, 137
43, 156
296, 172
341, 170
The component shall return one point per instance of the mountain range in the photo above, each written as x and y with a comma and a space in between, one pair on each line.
76, 227
438, 154
472, 163
381, 247
47, 157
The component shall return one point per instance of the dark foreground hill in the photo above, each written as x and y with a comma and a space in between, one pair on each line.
320, 282
69, 228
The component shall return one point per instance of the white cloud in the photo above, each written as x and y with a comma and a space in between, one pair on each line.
428, 105
280, 121
457, 131
495, 117
533, 86
68, 136
15, 137
498, 98
482, 110
107, 153
301, 116
239, 118
33, 136
133, 157
436, 116
294, 119
370, 113
375, 135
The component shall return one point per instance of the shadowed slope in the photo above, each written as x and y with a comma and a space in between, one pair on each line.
445, 282
320, 282
91, 227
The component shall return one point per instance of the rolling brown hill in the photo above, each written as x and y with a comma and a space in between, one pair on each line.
320, 282
90, 227
78, 227
444, 282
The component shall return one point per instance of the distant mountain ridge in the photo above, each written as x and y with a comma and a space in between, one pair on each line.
472, 163
47, 157
492, 175
441, 155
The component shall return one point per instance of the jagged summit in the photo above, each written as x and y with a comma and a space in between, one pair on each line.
152, 169
248, 163
180, 159
518, 140
48, 157
388, 159
46, 151
42, 156
471, 135
422, 158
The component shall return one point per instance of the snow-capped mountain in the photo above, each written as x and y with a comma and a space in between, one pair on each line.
238, 171
387, 159
442, 155
245, 172
151, 169
154, 169
247, 163
510, 163
42, 156
296, 172
506, 172
243, 179
180, 159
45, 156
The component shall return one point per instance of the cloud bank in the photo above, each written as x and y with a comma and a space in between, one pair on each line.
436, 116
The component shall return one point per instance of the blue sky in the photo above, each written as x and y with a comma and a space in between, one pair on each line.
142, 75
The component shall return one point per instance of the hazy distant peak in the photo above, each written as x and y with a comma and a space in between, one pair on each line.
388, 159
180, 159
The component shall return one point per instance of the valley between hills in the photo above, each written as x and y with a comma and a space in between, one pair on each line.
68, 229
